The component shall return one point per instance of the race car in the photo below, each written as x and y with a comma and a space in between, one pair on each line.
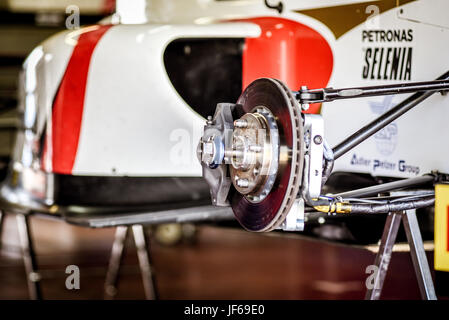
113, 112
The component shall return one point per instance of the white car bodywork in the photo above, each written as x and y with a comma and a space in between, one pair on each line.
151, 112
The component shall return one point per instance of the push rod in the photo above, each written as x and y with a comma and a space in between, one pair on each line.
383, 120
306, 96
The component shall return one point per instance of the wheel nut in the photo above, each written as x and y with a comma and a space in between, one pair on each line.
318, 139
207, 152
209, 120
255, 148
242, 183
240, 123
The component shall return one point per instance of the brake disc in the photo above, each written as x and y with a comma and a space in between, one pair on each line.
266, 181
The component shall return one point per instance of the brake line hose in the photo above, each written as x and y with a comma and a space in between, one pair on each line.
373, 208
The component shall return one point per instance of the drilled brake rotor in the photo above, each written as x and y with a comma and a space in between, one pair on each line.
271, 99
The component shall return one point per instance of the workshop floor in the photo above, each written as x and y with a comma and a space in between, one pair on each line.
223, 263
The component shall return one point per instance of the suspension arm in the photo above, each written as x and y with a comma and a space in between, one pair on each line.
306, 96
388, 117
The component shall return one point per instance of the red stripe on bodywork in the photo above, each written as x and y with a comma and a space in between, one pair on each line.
289, 51
69, 102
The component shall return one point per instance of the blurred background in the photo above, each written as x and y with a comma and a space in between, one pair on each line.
23, 25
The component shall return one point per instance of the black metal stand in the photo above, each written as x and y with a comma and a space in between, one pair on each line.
417, 253
29, 257
117, 254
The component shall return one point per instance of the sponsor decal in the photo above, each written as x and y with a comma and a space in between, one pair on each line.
386, 165
388, 55
376, 164
386, 139
360, 161
404, 167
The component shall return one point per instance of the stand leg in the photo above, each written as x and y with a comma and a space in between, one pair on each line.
144, 262
418, 254
384, 255
29, 257
115, 262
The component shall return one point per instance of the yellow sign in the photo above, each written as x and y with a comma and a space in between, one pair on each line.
442, 227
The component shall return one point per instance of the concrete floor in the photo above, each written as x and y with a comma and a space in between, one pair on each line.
223, 263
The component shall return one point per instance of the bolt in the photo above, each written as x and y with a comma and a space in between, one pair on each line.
255, 148
242, 183
304, 106
207, 152
34, 277
209, 120
240, 123
318, 139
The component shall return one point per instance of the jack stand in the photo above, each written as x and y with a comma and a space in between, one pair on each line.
115, 262
417, 253
29, 256
31, 267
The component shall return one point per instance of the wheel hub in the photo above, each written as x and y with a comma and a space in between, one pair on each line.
254, 158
